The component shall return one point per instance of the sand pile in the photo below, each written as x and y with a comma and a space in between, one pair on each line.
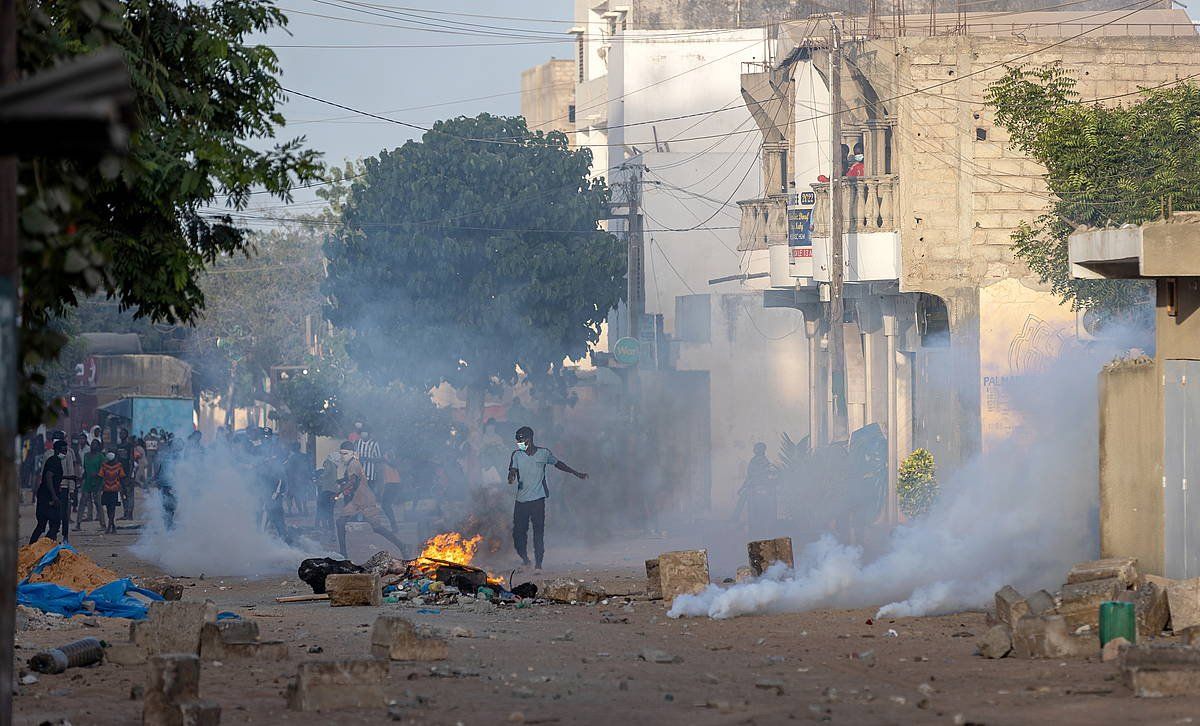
71, 569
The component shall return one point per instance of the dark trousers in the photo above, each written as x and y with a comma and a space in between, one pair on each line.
523, 514
49, 518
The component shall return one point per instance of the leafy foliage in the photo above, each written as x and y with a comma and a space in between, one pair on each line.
1127, 163
917, 487
135, 228
458, 260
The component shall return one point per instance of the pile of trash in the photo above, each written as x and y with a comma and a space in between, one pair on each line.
422, 581
56, 578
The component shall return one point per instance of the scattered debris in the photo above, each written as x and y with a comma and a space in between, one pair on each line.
1010, 606
524, 590
1047, 636
566, 590
658, 656
167, 587
1154, 670
238, 638
1112, 649
314, 571
770, 685
302, 598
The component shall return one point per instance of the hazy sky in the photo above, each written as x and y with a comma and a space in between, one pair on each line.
396, 82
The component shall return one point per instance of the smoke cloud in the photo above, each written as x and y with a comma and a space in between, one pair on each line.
216, 527
1022, 513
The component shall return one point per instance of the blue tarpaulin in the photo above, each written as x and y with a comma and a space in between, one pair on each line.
114, 600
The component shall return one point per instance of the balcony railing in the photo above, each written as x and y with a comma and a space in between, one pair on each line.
764, 223
868, 205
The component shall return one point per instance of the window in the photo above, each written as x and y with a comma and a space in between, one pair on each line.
582, 50
980, 134
571, 113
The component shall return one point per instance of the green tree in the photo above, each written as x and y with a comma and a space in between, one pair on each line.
916, 484
136, 228
1105, 165
471, 253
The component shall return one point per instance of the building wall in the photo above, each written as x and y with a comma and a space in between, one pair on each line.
548, 95
1131, 436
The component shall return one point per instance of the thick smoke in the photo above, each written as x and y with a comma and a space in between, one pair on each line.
216, 528
1021, 513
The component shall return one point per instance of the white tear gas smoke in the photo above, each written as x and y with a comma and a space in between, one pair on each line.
216, 527
1021, 513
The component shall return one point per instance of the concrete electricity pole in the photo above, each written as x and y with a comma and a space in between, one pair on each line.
635, 293
836, 308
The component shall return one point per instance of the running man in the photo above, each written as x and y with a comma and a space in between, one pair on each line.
527, 469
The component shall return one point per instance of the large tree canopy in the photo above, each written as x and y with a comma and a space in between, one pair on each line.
135, 228
1116, 164
472, 252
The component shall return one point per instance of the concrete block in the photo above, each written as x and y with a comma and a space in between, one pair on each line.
174, 679
567, 590
1112, 649
173, 627
1081, 601
1047, 636
1161, 669
170, 588
234, 639
764, 553
267, 651
1010, 606
394, 638
743, 574
1120, 568
199, 713
329, 685
1041, 603
653, 583
125, 654
1183, 599
682, 573
1150, 605
362, 589
996, 643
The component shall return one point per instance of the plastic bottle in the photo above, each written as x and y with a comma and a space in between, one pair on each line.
82, 652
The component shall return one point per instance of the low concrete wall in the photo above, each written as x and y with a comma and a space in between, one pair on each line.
1131, 435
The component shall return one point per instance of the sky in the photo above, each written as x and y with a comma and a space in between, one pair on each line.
397, 82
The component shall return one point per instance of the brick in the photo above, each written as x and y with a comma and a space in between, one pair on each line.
1120, 568
330, 685
1183, 598
683, 572
1010, 606
1081, 601
653, 583
395, 638
764, 553
1154, 670
1047, 636
174, 679
350, 590
173, 627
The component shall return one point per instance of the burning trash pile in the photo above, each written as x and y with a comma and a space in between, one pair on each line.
441, 575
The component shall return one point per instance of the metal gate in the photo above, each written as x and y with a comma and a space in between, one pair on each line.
1181, 465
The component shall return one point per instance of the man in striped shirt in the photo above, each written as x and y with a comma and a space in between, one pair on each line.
372, 459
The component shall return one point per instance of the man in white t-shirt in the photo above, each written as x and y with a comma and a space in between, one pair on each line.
527, 469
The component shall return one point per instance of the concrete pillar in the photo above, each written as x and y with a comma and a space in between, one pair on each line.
816, 429
889, 331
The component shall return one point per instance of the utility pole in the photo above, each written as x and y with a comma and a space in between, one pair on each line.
836, 309
635, 293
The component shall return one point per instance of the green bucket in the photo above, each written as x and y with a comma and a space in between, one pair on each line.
1117, 620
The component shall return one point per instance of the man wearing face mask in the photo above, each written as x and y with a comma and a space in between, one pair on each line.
50, 496
358, 499
527, 469
856, 168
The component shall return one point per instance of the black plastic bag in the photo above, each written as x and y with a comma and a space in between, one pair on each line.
314, 571
525, 590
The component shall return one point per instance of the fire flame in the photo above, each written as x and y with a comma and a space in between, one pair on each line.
450, 547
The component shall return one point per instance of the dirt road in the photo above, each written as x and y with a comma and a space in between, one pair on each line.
580, 665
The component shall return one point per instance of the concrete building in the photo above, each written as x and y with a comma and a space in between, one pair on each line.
548, 97
1149, 407
940, 316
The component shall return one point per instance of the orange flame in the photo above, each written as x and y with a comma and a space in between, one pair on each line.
449, 547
